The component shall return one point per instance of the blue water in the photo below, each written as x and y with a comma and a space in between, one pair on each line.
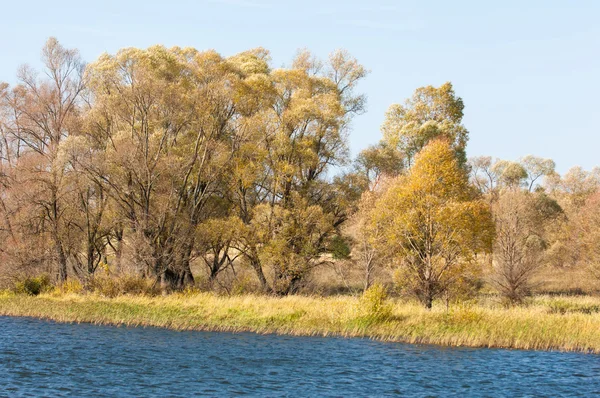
40, 358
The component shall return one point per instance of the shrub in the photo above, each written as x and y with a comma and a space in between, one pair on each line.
71, 286
33, 285
243, 285
137, 285
103, 285
373, 304
113, 287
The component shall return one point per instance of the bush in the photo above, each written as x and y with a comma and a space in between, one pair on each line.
113, 287
373, 304
71, 286
137, 285
243, 285
33, 285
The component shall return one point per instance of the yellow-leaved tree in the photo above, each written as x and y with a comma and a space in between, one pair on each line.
432, 222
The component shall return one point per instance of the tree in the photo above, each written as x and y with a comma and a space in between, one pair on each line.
429, 114
279, 173
587, 229
215, 239
367, 238
42, 113
521, 218
433, 223
537, 168
510, 174
88, 203
163, 119
575, 186
491, 175
482, 174
295, 239
377, 161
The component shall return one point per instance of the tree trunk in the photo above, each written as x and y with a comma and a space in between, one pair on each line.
118, 249
90, 258
186, 276
427, 294
175, 280
255, 263
428, 301
368, 272
62, 263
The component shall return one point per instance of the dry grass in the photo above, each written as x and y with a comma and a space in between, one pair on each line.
547, 323
567, 280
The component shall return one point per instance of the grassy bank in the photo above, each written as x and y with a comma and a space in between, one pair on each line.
561, 323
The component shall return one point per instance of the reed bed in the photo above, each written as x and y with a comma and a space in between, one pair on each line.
544, 323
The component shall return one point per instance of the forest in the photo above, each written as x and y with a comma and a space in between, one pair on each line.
166, 169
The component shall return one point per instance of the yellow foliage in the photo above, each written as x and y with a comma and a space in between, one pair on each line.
432, 222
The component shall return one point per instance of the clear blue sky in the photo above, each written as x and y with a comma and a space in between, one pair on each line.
528, 71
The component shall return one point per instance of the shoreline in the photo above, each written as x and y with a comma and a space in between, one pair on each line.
540, 326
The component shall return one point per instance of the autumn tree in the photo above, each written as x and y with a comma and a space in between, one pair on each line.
587, 229
161, 117
279, 180
376, 162
433, 223
40, 113
215, 240
88, 206
537, 168
366, 248
575, 186
575, 192
521, 220
490, 175
431, 113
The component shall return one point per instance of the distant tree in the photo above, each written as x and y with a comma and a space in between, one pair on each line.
587, 230
376, 161
575, 186
510, 174
521, 218
433, 223
537, 168
483, 176
489, 175
429, 114
572, 192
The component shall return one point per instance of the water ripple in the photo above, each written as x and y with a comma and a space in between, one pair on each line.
40, 358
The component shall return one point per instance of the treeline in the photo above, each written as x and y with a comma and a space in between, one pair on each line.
149, 162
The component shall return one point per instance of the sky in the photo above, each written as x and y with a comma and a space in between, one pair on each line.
528, 71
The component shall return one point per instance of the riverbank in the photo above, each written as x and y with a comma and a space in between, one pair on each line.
547, 323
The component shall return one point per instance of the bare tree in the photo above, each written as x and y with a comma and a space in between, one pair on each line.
43, 112
520, 219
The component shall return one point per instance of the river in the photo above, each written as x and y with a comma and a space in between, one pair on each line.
41, 358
